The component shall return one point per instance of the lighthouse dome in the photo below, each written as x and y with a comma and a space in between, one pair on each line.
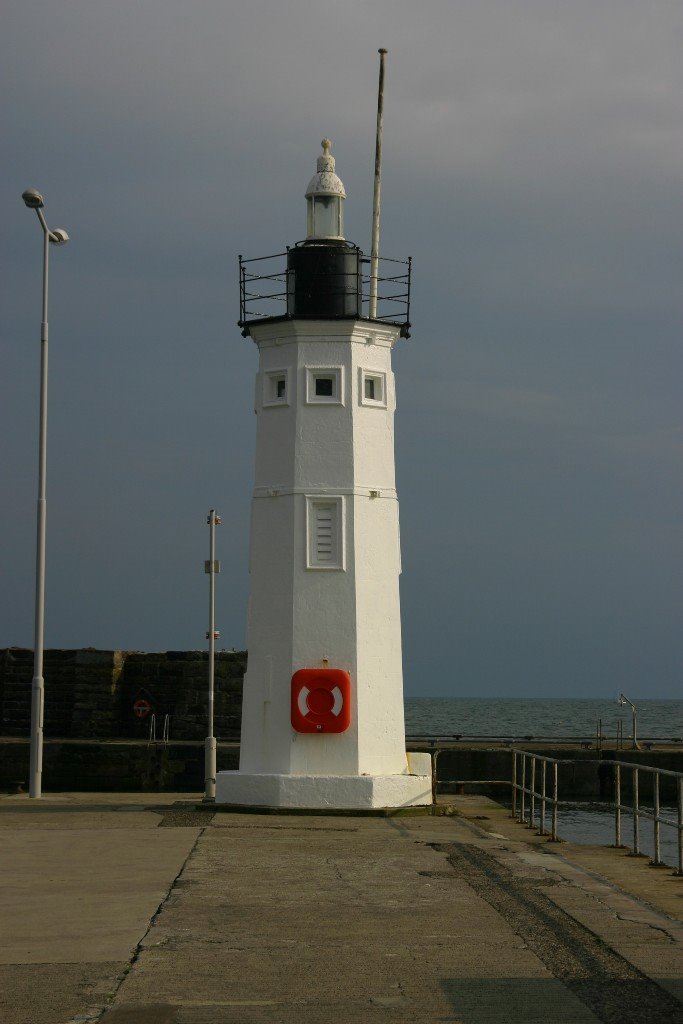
325, 182
325, 196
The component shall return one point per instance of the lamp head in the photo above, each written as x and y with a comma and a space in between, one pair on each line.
58, 236
33, 199
324, 198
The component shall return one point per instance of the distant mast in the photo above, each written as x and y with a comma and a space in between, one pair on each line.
374, 251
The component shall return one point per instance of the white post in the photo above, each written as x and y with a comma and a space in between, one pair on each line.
38, 682
34, 201
211, 567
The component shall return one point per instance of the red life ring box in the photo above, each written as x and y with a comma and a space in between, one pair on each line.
321, 700
142, 708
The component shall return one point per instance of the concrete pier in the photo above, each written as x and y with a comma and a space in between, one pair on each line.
142, 908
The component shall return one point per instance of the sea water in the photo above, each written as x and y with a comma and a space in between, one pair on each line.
594, 823
514, 718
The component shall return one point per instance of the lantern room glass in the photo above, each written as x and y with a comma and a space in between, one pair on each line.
324, 217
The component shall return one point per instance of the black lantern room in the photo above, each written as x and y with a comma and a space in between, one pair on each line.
323, 278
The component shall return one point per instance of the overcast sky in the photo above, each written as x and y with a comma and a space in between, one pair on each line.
532, 168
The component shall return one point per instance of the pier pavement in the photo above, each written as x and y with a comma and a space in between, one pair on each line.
143, 909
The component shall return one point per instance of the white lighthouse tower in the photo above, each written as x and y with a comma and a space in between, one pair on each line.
322, 718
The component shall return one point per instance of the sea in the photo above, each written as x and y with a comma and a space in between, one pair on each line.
509, 718
542, 718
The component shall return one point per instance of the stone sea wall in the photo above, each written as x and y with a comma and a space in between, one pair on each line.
91, 694
112, 766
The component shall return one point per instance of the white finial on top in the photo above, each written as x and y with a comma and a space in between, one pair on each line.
326, 161
325, 182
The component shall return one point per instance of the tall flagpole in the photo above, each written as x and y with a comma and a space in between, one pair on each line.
374, 252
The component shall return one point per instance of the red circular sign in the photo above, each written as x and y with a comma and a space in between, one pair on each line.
142, 708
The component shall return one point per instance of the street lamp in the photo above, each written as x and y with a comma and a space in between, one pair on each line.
34, 201
623, 699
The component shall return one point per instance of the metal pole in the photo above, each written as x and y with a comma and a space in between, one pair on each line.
514, 783
680, 826
34, 201
210, 744
658, 859
617, 809
532, 795
374, 252
623, 699
553, 827
522, 797
544, 766
435, 777
38, 682
636, 814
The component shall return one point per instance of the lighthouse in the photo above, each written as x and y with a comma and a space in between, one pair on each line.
322, 714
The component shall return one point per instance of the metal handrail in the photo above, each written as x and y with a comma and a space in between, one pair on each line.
165, 734
520, 791
394, 307
526, 737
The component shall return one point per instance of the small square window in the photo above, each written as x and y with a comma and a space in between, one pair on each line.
373, 388
276, 387
325, 384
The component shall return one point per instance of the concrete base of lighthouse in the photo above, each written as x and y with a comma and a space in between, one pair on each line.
327, 792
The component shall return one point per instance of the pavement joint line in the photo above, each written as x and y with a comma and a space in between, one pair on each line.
135, 956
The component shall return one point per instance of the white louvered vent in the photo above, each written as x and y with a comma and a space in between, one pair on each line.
324, 533
324, 524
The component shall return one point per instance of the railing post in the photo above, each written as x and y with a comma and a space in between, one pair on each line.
636, 815
553, 832
532, 793
680, 826
410, 269
543, 774
617, 807
514, 784
655, 782
435, 778
522, 795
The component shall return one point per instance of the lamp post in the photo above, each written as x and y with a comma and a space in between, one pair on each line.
34, 201
211, 567
623, 699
